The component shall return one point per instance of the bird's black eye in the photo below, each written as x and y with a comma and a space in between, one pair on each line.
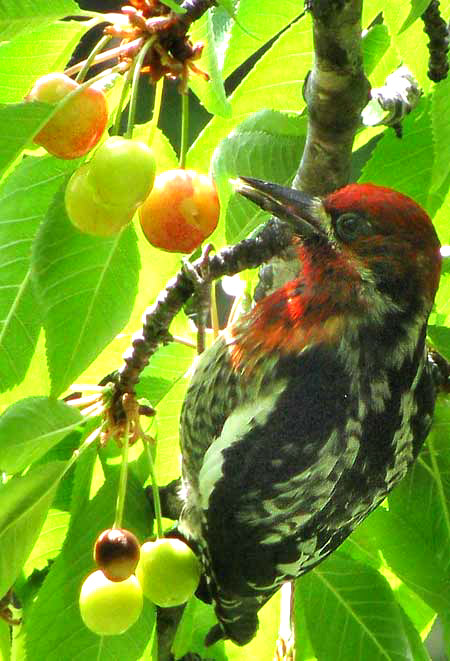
349, 226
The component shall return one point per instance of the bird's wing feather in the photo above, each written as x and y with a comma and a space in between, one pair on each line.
255, 503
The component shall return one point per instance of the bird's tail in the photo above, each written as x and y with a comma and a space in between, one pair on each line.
237, 616
237, 619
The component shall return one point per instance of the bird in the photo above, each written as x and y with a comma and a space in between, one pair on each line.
308, 409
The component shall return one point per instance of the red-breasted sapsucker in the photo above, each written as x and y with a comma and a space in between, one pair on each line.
307, 411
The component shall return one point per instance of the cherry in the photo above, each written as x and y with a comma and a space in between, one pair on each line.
181, 211
168, 571
78, 126
86, 210
109, 608
116, 553
123, 171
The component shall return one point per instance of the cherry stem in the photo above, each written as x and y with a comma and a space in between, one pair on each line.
123, 96
94, 410
155, 491
89, 440
157, 102
88, 63
81, 402
120, 504
92, 387
139, 61
107, 55
184, 128
184, 341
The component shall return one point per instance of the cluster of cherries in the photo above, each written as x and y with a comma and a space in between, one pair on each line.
166, 571
178, 209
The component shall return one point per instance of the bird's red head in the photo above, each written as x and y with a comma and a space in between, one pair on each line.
380, 235
389, 234
367, 252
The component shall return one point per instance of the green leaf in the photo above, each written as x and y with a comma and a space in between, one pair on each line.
212, 92
222, 25
363, 545
440, 339
405, 164
230, 8
87, 286
418, 649
414, 533
30, 56
403, 547
56, 607
166, 156
228, 5
183, 636
194, 626
375, 44
49, 542
166, 428
174, 6
445, 620
441, 311
24, 503
231, 41
363, 620
446, 262
417, 611
5, 641
32, 426
417, 9
20, 122
257, 22
166, 367
82, 481
411, 44
266, 145
303, 647
18, 16
24, 199
290, 56
440, 102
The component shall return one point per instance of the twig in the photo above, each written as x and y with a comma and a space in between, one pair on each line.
167, 621
250, 253
438, 32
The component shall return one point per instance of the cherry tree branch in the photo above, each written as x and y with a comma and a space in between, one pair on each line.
274, 237
438, 32
335, 91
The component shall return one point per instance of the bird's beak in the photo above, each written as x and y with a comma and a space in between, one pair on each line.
300, 210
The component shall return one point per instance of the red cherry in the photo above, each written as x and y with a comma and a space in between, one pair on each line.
77, 127
181, 211
116, 553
